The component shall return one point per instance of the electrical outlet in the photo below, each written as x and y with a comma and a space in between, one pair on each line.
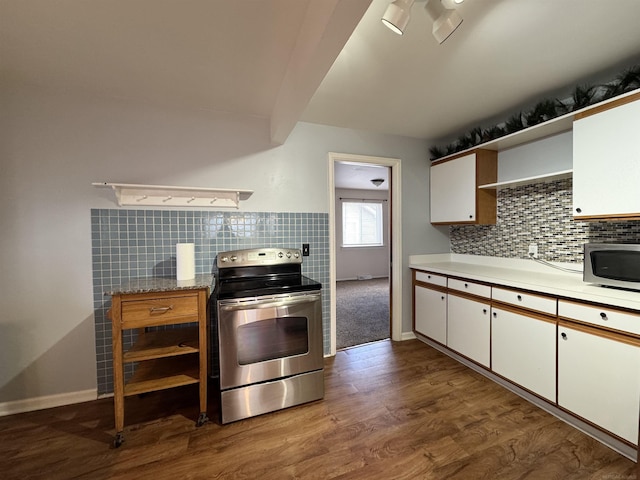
533, 250
305, 249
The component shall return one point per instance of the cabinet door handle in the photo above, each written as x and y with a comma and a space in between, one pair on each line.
495, 314
160, 309
563, 335
484, 310
442, 297
579, 210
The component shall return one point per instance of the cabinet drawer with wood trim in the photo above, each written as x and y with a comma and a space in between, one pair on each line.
537, 303
159, 310
470, 287
431, 278
606, 317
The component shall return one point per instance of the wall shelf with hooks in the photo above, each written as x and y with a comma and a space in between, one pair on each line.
172, 196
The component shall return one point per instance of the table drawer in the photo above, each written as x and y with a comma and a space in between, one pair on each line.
529, 301
426, 277
601, 316
159, 311
470, 287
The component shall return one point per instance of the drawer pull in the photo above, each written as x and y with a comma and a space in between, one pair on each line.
520, 298
153, 310
603, 315
466, 285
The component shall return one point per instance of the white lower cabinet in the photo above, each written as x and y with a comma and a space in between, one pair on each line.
523, 350
469, 328
430, 310
599, 378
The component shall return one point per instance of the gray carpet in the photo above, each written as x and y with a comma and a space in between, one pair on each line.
362, 311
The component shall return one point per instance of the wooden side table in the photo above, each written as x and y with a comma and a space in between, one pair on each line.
165, 358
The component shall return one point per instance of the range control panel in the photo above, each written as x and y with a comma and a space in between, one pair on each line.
259, 256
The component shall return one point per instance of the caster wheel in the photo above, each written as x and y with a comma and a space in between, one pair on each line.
118, 440
202, 419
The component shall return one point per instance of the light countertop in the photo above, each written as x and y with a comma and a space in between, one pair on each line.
525, 274
160, 284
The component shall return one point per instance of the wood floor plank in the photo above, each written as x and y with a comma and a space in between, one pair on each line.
391, 411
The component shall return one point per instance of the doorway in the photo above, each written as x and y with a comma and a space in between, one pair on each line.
386, 275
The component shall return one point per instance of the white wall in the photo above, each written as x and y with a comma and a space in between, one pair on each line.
354, 261
54, 144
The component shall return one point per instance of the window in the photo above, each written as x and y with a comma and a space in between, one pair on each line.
362, 224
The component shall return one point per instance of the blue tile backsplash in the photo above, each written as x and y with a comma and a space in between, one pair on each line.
141, 243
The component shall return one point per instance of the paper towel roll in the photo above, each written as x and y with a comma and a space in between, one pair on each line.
185, 261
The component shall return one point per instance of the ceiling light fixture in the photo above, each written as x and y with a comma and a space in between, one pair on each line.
445, 20
377, 181
397, 15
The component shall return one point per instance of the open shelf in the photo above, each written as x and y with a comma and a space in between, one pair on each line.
163, 373
547, 177
163, 343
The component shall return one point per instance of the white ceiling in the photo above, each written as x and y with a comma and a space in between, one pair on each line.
358, 176
321, 61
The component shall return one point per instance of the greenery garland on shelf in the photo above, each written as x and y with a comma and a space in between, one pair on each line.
583, 96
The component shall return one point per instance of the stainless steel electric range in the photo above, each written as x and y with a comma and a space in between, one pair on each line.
266, 332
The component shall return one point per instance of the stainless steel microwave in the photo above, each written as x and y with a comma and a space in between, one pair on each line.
612, 264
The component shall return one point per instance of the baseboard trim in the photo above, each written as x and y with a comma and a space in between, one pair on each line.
47, 401
407, 336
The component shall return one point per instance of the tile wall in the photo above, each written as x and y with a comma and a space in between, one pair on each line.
140, 243
540, 213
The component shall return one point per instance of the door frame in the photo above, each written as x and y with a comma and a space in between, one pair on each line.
395, 235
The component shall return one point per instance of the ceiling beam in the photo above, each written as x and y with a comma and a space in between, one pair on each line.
325, 30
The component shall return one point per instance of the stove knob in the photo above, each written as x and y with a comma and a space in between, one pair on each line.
288, 254
224, 259
280, 255
296, 255
233, 258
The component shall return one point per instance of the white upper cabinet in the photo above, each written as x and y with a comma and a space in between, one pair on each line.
455, 196
606, 162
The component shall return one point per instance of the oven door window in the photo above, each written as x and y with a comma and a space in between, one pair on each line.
272, 338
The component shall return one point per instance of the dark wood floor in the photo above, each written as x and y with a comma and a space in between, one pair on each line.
391, 411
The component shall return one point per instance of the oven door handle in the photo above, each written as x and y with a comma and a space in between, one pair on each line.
285, 302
